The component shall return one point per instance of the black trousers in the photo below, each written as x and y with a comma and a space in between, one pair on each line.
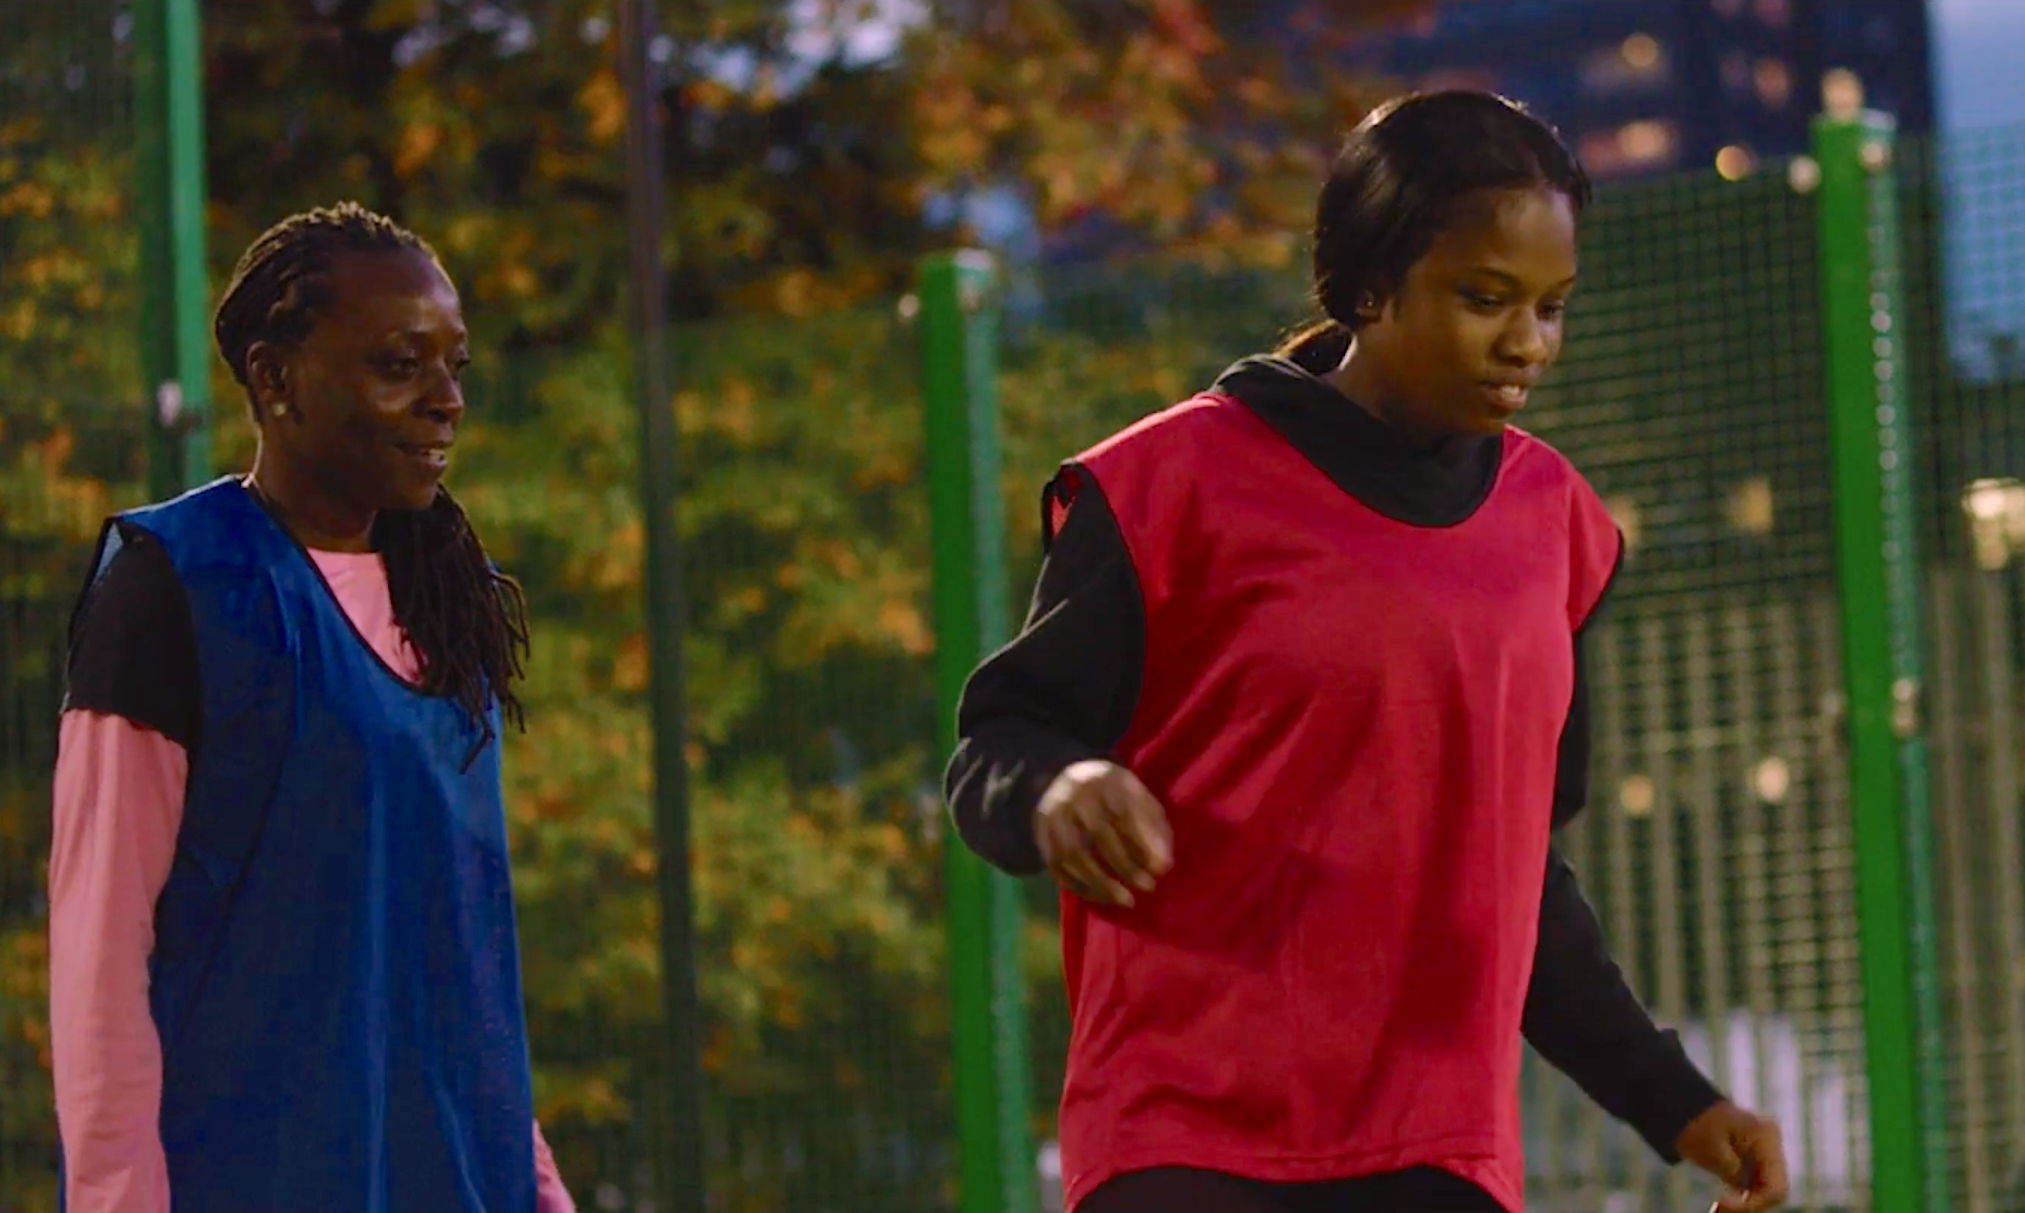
1186, 1190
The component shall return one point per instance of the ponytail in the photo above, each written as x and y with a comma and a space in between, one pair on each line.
1317, 347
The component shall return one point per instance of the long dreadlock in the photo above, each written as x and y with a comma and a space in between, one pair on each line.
466, 619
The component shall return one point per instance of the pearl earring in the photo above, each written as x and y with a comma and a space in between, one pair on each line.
280, 407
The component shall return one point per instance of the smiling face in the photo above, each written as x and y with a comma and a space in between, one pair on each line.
1474, 323
359, 416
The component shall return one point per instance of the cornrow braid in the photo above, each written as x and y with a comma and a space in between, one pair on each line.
467, 620
282, 281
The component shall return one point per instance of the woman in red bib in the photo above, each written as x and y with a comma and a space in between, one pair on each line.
1295, 711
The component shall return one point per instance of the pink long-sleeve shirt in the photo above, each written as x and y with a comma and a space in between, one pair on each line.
118, 808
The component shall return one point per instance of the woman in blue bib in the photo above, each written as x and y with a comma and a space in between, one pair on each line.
285, 976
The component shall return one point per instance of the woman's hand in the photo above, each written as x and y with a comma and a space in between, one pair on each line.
1743, 1150
1102, 833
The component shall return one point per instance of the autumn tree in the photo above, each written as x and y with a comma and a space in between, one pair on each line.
797, 170
1199, 127
800, 170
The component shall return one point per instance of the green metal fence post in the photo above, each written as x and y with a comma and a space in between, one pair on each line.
959, 368
679, 1160
169, 204
1878, 581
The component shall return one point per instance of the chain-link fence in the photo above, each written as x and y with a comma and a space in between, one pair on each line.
1964, 198
1719, 848
69, 452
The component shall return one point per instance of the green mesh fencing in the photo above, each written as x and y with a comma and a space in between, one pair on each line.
70, 451
1087, 350
1965, 201
813, 748
818, 815
1719, 846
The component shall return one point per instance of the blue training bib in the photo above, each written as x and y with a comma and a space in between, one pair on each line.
336, 976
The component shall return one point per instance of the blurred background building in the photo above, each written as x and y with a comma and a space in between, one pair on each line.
1644, 86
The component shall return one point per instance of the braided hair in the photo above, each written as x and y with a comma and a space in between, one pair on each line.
467, 620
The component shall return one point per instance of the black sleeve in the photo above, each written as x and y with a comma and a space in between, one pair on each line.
133, 646
1571, 766
1583, 1018
1061, 692
1580, 1013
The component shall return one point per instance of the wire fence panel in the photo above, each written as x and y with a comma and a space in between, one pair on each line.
1720, 814
1964, 200
71, 450
1718, 847
813, 753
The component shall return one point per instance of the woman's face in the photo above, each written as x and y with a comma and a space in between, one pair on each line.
372, 394
1476, 321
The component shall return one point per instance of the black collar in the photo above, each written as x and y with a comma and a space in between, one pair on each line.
1435, 486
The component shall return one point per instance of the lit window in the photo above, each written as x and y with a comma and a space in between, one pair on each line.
1646, 142
1841, 94
1772, 779
1749, 508
1638, 63
1735, 162
1773, 82
1629, 148
1996, 510
1637, 796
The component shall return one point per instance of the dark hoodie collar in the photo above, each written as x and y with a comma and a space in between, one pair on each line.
1440, 485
